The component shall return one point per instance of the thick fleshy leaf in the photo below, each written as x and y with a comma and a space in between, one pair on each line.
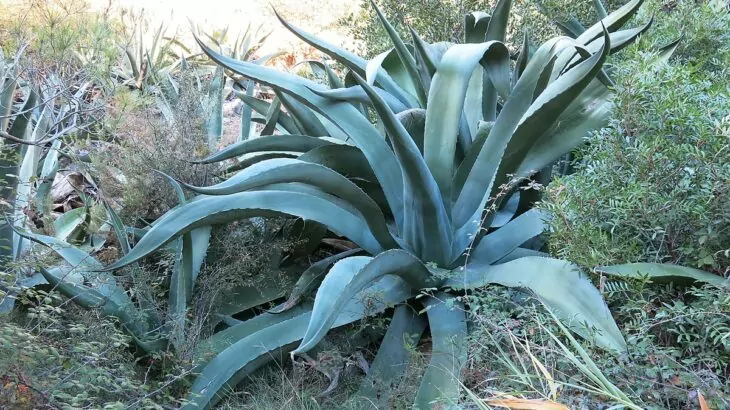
345, 116
590, 111
48, 173
394, 354
255, 159
475, 27
663, 272
559, 285
343, 159
352, 61
600, 9
414, 121
497, 28
89, 298
181, 288
311, 278
286, 170
26, 175
479, 176
424, 61
303, 116
271, 118
294, 143
250, 352
350, 276
259, 292
498, 244
358, 95
446, 102
262, 107
611, 22
440, 386
213, 120
68, 225
666, 52
207, 211
542, 113
104, 292
22, 121
118, 226
246, 113
405, 56
210, 347
522, 59
426, 226
570, 26
322, 69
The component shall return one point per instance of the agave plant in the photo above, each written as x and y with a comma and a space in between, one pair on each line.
143, 64
431, 192
213, 85
30, 158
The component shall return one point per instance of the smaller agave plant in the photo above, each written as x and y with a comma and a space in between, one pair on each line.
35, 120
212, 84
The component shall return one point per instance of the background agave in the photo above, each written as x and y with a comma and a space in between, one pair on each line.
42, 114
434, 192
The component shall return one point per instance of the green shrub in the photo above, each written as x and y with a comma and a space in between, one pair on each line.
655, 184
62, 34
55, 355
679, 343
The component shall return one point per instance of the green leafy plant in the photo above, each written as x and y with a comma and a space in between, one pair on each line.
145, 63
654, 184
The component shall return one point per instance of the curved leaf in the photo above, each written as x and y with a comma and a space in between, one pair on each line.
496, 245
350, 276
295, 143
206, 211
447, 323
475, 27
518, 136
293, 170
68, 225
345, 116
350, 60
426, 226
611, 22
446, 102
497, 28
104, 293
663, 272
262, 107
358, 95
407, 60
343, 159
393, 356
311, 278
559, 285
303, 116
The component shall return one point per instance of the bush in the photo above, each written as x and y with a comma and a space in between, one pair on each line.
654, 185
55, 355
678, 344
62, 34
